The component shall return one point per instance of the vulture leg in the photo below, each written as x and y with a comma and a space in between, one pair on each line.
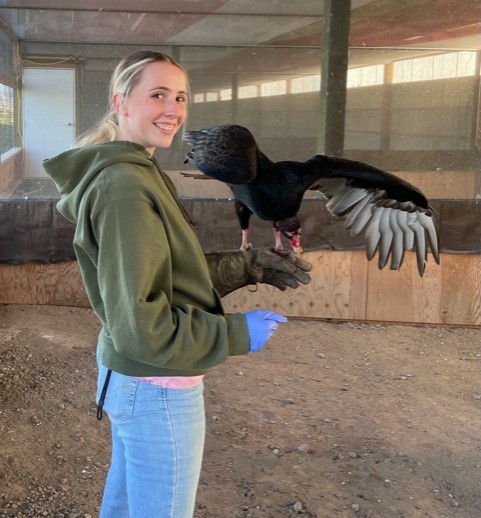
278, 241
243, 215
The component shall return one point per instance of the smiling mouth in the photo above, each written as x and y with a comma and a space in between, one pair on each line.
165, 127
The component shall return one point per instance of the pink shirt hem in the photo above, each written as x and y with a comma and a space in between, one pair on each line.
173, 382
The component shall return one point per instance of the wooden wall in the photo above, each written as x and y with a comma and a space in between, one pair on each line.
344, 286
445, 185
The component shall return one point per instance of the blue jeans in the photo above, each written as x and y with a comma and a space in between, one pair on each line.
157, 447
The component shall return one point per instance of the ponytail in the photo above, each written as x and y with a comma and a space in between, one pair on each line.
105, 130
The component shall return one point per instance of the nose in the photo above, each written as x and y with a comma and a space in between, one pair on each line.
173, 108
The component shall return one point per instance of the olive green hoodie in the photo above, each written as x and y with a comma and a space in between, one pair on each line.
143, 268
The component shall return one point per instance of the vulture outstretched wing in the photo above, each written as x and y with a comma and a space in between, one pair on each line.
392, 214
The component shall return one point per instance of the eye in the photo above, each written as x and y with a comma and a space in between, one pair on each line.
158, 95
181, 99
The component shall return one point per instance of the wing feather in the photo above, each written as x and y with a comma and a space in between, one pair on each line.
428, 224
408, 234
420, 245
345, 199
373, 235
397, 247
360, 214
386, 237
359, 222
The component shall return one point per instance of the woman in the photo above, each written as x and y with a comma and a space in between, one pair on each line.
163, 326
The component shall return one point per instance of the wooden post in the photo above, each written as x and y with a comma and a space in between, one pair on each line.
235, 99
386, 114
334, 61
476, 127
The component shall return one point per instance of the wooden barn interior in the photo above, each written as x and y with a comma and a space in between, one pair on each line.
392, 83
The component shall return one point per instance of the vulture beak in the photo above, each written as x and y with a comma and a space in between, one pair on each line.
295, 241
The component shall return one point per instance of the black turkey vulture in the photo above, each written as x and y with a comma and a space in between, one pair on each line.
394, 215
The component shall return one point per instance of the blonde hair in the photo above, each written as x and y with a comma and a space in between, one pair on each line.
125, 77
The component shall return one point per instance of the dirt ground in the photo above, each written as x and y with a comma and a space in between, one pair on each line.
329, 420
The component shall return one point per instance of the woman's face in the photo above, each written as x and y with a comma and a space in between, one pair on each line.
156, 107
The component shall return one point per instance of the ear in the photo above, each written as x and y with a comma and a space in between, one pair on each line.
118, 104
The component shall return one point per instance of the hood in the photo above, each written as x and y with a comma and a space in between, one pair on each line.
75, 169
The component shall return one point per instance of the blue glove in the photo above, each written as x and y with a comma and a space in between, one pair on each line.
261, 324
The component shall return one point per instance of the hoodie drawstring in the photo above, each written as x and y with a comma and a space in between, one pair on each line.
101, 402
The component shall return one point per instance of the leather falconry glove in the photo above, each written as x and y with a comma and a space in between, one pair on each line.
231, 270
